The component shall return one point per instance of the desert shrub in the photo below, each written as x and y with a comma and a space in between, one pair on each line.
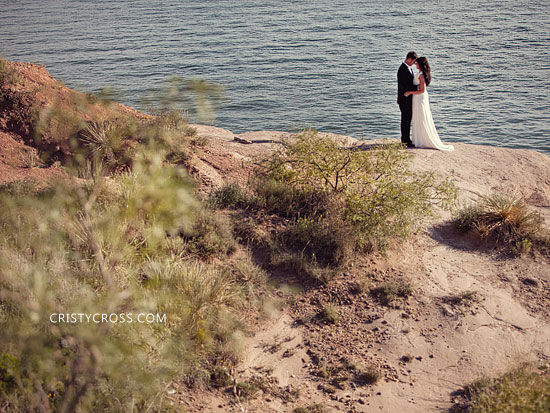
114, 142
7, 74
371, 196
172, 130
276, 196
524, 246
466, 216
370, 375
230, 195
109, 245
522, 389
327, 242
211, 235
248, 389
504, 219
108, 143
361, 285
330, 314
219, 377
312, 408
390, 290
18, 188
251, 276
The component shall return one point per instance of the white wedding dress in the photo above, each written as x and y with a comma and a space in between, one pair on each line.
424, 134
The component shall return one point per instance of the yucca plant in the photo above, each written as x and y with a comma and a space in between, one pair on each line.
505, 219
108, 143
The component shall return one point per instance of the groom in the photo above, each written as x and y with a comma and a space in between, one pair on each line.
405, 83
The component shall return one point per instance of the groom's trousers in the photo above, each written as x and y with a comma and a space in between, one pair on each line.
406, 118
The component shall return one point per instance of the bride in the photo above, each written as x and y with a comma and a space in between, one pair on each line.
424, 134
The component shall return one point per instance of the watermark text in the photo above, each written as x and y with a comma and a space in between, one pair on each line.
98, 318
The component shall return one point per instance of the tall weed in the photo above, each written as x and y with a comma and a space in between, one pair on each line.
107, 246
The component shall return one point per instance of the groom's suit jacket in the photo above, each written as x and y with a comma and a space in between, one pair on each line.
404, 84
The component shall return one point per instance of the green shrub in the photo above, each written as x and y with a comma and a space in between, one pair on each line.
210, 236
251, 277
248, 390
524, 246
523, 389
108, 143
371, 196
14, 188
229, 196
219, 377
466, 216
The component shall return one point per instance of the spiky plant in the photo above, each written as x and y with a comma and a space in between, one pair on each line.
506, 219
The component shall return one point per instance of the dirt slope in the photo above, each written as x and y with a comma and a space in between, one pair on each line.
38, 116
472, 312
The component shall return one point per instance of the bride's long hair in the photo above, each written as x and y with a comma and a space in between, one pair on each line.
425, 69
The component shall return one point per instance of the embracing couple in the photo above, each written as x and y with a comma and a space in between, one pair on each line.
413, 100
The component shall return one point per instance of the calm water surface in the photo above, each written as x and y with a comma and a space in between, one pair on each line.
327, 64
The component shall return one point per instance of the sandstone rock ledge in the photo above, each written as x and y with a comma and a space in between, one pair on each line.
476, 170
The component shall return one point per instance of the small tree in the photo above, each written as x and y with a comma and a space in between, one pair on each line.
375, 189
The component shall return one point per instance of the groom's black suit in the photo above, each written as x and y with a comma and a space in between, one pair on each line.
404, 84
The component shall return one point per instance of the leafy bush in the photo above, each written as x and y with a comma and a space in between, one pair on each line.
372, 192
210, 235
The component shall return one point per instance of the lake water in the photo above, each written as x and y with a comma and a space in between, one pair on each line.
325, 64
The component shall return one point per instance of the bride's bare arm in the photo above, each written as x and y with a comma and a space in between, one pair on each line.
421, 87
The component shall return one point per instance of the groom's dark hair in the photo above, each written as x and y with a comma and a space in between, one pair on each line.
411, 55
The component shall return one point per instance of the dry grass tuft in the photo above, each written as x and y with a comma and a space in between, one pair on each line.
523, 389
504, 219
